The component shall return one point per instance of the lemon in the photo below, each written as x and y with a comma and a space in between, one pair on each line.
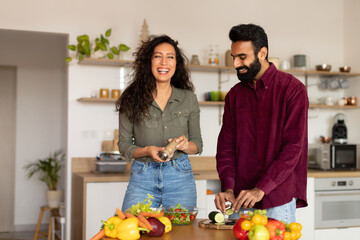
167, 223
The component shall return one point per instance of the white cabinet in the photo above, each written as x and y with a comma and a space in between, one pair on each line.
306, 216
102, 199
201, 198
337, 233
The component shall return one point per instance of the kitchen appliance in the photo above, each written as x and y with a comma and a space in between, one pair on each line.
110, 162
333, 156
339, 130
337, 202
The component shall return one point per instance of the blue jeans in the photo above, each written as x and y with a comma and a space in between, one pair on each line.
284, 212
170, 183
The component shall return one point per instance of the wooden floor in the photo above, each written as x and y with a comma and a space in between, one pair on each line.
27, 235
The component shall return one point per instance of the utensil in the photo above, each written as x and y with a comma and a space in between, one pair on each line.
323, 67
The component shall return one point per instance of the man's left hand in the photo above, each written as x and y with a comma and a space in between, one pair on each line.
248, 198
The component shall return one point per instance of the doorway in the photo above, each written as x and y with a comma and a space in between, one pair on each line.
7, 146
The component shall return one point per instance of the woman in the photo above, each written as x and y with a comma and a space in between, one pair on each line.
158, 106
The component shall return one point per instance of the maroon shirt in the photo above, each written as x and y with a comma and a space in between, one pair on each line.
263, 139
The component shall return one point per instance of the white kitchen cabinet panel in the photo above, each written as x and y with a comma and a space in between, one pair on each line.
306, 216
337, 233
102, 199
201, 198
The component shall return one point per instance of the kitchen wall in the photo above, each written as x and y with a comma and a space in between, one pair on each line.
41, 111
322, 29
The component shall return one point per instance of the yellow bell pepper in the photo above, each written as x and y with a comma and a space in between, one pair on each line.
128, 229
111, 226
166, 221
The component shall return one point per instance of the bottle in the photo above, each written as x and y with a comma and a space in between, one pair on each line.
169, 149
214, 55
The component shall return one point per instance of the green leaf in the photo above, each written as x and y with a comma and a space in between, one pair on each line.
102, 46
71, 47
110, 56
123, 48
86, 46
68, 59
108, 32
115, 50
82, 38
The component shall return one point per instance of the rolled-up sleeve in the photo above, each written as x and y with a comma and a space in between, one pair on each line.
194, 124
126, 145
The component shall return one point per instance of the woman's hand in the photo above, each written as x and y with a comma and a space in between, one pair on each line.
184, 145
153, 151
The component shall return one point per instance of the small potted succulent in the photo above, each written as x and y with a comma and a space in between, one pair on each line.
100, 48
48, 171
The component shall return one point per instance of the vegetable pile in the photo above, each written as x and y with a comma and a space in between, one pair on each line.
180, 215
256, 226
129, 226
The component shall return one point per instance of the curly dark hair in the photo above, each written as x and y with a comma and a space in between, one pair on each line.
250, 32
138, 96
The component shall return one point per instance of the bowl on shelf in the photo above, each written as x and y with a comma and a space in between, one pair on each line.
181, 216
344, 69
325, 139
323, 67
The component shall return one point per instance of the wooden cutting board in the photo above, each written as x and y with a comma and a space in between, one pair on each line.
207, 223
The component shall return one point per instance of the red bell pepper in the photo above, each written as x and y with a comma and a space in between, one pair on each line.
240, 233
276, 229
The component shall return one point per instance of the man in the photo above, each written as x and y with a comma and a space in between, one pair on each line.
262, 146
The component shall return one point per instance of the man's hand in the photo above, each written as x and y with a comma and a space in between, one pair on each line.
223, 197
248, 198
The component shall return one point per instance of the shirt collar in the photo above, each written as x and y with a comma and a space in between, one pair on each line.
176, 95
268, 75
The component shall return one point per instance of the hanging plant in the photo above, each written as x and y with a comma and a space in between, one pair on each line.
84, 47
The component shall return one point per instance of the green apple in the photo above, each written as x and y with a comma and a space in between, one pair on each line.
259, 232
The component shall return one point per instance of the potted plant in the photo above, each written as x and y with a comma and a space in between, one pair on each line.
48, 171
87, 48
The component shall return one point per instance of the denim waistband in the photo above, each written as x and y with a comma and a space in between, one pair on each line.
171, 162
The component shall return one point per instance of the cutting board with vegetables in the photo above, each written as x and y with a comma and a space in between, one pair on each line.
207, 223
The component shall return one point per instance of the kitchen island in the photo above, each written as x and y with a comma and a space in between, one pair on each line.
96, 195
193, 232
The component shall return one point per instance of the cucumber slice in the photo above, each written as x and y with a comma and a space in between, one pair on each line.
216, 217
229, 211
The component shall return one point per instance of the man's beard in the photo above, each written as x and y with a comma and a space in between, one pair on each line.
251, 72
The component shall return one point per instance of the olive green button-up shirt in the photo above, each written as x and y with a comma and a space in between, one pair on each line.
181, 116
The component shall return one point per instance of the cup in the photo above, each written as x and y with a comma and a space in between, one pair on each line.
215, 96
285, 65
300, 61
328, 101
222, 95
115, 93
104, 92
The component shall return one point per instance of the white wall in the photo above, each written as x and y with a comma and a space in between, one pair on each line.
314, 28
40, 111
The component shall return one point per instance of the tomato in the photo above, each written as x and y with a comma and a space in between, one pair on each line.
171, 217
256, 219
246, 225
178, 210
287, 236
182, 218
295, 226
192, 217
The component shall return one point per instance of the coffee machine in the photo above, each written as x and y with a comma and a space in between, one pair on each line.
339, 130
